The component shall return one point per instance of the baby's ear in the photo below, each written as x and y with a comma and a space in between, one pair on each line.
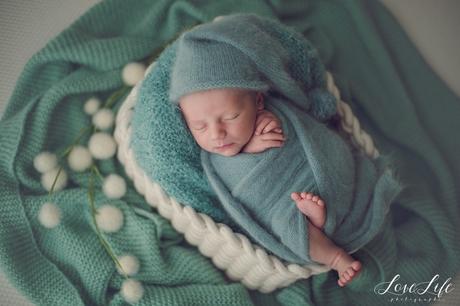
260, 100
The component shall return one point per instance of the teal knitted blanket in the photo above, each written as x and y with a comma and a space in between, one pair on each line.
380, 74
255, 188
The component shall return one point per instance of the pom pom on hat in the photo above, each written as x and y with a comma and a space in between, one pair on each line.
209, 64
323, 104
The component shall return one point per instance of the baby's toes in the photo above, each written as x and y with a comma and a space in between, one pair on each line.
309, 196
303, 195
351, 272
341, 284
315, 199
356, 265
320, 202
295, 196
342, 280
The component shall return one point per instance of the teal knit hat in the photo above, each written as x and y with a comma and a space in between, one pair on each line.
203, 64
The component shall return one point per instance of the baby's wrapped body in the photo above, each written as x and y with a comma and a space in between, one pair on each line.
255, 189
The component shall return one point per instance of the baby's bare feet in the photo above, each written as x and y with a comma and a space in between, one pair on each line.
347, 268
312, 206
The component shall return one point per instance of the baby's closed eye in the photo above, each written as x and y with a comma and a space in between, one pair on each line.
232, 117
199, 128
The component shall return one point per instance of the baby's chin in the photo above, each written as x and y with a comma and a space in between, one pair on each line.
228, 154
233, 150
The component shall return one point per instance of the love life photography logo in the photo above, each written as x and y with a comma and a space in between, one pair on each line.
425, 291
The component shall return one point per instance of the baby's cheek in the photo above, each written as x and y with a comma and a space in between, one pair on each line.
201, 143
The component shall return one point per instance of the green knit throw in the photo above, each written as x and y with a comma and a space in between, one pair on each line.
406, 108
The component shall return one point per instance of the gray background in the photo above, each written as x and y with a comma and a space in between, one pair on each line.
26, 26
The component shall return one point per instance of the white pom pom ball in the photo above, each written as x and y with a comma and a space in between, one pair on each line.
45, 162
109, 218
49, 215
114, 186
102, 145
132, 290
92, 106
79, 159
133, 73
103, 119
218, 18
130, 265
49, 177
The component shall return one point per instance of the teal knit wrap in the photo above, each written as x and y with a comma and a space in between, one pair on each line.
255, 189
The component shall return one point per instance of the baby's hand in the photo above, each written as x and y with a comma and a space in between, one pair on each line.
260, 143
267, 122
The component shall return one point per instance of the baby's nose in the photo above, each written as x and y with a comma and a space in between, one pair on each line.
218, 132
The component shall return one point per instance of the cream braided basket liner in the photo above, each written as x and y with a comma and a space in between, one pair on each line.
232, 252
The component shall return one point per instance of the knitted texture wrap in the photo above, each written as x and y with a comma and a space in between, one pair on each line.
406, 108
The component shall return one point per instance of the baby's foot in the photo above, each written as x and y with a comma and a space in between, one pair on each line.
347, 268
312, 206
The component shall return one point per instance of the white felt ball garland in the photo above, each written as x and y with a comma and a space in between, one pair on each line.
132, 290
49, 177
92, 106
109, 218
79, 159
45, 162
133, 73
114, 186
130, 265
103, 119
49, 215
102, 145
218, 18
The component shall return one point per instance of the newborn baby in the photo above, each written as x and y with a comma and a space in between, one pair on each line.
253, 95
230, 121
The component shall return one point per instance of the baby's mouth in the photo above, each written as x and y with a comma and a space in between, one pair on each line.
225, 146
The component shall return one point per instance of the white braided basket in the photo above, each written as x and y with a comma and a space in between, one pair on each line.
232, 252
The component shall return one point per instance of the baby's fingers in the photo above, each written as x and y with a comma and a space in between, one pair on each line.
273, 144
273, 136
261, 125
272, 126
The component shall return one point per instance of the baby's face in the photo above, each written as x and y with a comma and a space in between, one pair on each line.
222, 120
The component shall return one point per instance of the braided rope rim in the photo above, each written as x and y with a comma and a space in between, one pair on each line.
232, 252
350, 123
